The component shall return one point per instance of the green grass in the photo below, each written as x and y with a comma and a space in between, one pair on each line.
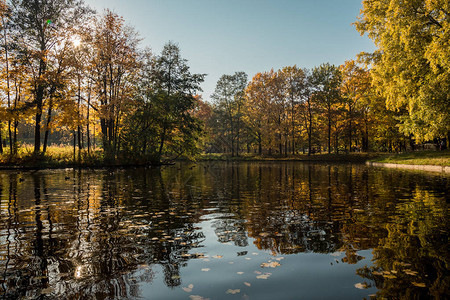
62, 156
55, 156
352, 157
434, 158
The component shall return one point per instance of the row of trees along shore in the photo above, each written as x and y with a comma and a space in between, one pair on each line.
76, 75
69, 74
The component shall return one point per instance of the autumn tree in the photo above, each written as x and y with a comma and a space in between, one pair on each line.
229, 97
411, 67
114, 67
326, 80
40, 27
256, 108
295, 85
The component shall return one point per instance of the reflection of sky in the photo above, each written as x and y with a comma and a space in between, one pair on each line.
303, 275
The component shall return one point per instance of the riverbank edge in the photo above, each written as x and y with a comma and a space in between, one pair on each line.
428, 168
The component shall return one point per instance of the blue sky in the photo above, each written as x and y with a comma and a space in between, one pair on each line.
224, 36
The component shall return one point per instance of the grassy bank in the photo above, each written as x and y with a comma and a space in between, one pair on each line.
61, 157
432, 158
351, 157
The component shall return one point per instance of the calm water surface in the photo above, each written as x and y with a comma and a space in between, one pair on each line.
224, 231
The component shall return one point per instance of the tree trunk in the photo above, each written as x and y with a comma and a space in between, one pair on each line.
37, 130
163, 137
74, 145
259, 143
329, 132
87, 121
7, 85
350, 129
1, 141
47, 125
309, 131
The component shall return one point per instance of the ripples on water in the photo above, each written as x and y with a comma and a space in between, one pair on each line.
224, 230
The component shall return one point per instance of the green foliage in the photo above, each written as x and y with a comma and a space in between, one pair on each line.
411, 67
162, 123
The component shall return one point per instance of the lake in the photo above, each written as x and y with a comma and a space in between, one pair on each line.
224, 230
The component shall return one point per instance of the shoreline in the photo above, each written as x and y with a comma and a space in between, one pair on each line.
428, 168
367, 159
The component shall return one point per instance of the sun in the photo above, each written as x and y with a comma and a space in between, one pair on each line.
76, 41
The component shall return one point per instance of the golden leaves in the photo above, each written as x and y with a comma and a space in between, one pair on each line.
188, 289
232, 292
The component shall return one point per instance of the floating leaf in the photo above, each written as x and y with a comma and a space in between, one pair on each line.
418, 284
270, 264
361, 286
217, 256
254, 253
197, 297
247, 284
377, 273
279, 258
247, 258
264, 276
188, 289
240, 273
412, 273
205, 269
230, 291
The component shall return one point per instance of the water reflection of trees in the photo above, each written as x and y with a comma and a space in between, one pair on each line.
100, 233
90, 234
314, 208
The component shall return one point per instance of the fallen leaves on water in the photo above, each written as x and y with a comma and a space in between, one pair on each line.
230, 291
205, 269
197, 297
264, 276
418, 284
217, 256
47, 290
410, 272
361, 286
188, 289
377, 273
240, 273
279, 258
247, 284
270, 264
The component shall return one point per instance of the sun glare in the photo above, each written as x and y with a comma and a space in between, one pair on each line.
76, 41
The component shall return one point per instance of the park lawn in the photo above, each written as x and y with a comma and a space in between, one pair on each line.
433, 158
321, 157
55, 157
